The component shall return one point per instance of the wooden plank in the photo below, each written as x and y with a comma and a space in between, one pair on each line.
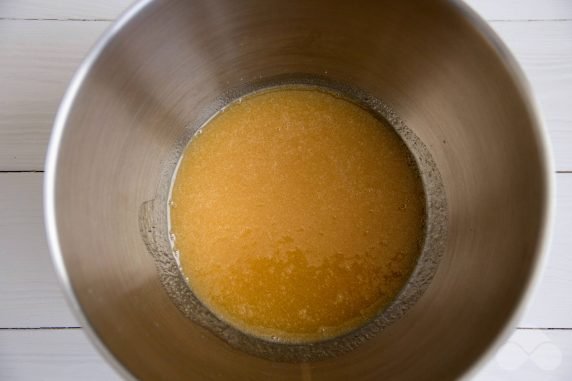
544, 50
551, 305
522, 9
58, 355
63, 9
110, 9
67, 355
30, 295
38, 58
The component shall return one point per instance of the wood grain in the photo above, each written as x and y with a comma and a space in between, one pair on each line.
58, 355
110, 9
38, 58
31, 296
544, 50
63, 9
522, 9
551, 306
67, 355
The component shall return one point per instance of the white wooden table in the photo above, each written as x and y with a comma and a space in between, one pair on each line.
41, 44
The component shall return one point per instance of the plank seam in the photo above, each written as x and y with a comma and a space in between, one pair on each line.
53, 19
27, 171
543, 329
36, 328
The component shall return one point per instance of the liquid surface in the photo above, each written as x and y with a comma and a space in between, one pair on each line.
297, 215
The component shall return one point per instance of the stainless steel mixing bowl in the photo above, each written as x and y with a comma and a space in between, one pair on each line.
158, 73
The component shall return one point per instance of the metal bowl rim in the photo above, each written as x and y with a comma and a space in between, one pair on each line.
464, 11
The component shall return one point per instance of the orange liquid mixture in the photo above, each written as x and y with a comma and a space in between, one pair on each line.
297, 214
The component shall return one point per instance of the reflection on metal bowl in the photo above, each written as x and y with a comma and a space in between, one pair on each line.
166, 66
